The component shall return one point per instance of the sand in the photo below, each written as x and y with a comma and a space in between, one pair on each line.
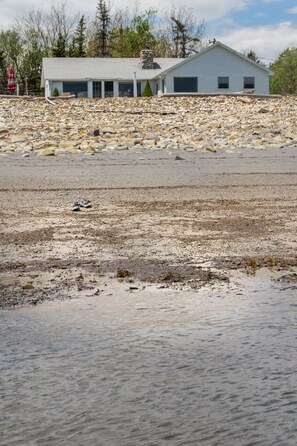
179, 223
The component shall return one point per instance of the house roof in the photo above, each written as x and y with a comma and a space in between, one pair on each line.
74, 68
205, 50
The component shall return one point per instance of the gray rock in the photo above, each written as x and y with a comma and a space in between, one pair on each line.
108, 130
18, 138
95, 132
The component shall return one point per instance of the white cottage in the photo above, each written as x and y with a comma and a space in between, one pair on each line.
216, 69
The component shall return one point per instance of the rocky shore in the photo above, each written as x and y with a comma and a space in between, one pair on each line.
36, 127
183, 193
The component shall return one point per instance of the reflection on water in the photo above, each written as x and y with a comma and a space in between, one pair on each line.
152, 368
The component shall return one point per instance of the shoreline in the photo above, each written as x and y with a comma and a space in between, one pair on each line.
183, 224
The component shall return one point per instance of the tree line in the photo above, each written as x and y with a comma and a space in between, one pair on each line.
110, 33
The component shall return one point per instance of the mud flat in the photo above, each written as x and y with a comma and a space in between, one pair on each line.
179, 219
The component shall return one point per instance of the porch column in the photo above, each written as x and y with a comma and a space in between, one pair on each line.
90, 89
159, 87
47, 88
115, 89
134, 85
102, 89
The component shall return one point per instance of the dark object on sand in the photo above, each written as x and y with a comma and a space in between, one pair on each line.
85, 203
76, 207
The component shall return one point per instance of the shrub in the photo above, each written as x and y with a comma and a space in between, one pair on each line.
56, 92
147, 90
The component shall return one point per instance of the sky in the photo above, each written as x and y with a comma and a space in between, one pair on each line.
264, 26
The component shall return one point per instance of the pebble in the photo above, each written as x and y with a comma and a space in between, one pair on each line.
207, 124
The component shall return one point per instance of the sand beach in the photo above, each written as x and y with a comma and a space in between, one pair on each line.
184, 192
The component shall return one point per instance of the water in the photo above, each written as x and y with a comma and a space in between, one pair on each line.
155, 367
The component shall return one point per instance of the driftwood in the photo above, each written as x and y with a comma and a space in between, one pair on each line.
138, 112
50, 102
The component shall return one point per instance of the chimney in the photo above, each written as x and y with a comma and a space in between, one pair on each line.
147, 58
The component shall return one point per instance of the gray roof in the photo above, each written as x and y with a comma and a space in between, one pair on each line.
98, 68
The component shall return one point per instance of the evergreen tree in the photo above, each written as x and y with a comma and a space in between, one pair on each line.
147, 92
103, 23
59, 48
77, 47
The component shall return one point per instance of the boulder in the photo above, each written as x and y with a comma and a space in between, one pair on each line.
46, 152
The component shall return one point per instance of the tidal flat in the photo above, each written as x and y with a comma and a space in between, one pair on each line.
165, 313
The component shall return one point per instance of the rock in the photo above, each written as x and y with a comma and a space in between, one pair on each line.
89, 150
180, 123
95, 132
8, 149
210, 149
110, 130
36, 135
45, 145
152, 136
178, 158
25, 155
46, 152
18, 138
149, 142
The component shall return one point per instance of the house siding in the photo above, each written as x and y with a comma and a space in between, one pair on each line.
219, 62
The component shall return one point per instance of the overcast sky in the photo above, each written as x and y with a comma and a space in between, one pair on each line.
265, 26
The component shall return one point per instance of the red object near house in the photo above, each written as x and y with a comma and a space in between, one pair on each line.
11, 84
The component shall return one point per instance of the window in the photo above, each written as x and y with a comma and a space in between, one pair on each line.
97, 90
79, 89
248, 82
109, 89
126, 89
185, 84
223, 82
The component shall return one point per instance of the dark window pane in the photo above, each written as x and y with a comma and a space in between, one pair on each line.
223, 82
126, 89
185, 84
79, 89
97, 90
248, 82
108, 89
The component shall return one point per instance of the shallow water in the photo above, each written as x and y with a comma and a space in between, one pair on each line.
155, 367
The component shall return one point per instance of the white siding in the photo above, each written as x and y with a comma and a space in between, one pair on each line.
219, 62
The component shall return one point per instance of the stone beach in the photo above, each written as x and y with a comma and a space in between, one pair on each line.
35, 127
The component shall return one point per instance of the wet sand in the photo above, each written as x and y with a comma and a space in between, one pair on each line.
180, 223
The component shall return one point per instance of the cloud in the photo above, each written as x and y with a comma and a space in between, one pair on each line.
292, 10
203, 9
267, 41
